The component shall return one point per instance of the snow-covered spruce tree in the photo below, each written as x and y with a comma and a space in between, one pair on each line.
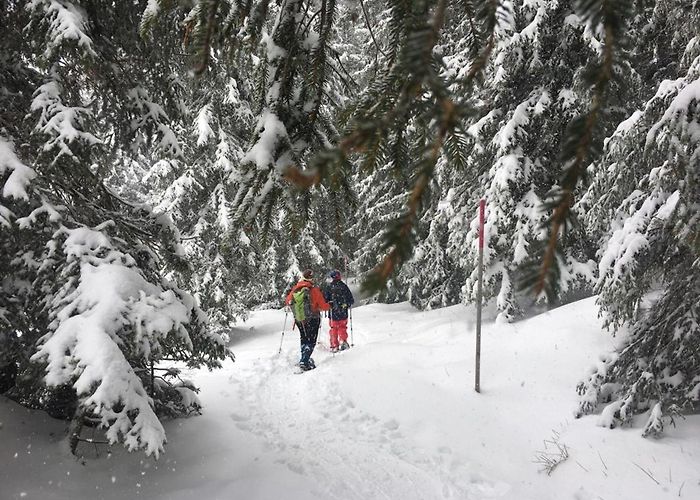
213, 126
433, 277
89, 312
17, 82
533, 88
297, 81
384, 180
381, 195
645, 201
421, 96
402, 122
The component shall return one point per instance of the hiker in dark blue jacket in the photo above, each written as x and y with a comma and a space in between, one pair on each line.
340, 298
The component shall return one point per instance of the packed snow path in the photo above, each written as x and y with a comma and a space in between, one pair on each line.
347, 452
395, 417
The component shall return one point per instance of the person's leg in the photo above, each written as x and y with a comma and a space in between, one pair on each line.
334, 334
342, 330
306, 348
312, 326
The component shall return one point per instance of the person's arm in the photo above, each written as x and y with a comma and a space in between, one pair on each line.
348, 295
318, 300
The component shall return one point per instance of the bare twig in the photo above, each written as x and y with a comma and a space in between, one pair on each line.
91, 440
369, 27
647, 473
602, 461
550, 460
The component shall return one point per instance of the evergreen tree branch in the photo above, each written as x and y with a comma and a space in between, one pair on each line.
579, 143
369, 28
399, 253
204, 45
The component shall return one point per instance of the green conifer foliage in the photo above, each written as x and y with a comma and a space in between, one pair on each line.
90, 308
643, 205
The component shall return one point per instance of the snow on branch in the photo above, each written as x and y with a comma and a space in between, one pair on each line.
20, 175
678, 117
203, 125
106, 312
628, 239
149, 16
66, 21
62, 124
270, 132
149, 116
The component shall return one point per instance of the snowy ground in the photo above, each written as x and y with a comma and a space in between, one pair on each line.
393, 418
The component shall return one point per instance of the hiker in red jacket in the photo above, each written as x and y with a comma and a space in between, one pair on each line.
307, 302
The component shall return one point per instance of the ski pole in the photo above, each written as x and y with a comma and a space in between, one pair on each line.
352, 333
286, 313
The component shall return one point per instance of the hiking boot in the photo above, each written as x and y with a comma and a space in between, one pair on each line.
344, 346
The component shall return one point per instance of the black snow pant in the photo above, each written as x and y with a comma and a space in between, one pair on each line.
308, 330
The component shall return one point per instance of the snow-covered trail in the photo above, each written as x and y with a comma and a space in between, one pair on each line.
395, 417
346, 451
317, 429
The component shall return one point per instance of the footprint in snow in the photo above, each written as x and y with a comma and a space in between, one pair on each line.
391, 425
298, 422
295, 467
239, 418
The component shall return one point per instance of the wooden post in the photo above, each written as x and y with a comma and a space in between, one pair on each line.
480, 278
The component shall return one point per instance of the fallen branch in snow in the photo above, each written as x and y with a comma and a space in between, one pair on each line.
579, 464
602, 461
647, 473
550, 460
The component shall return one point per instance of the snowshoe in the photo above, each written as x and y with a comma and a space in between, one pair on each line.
305, 367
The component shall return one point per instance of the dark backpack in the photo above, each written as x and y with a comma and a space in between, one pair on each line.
301, 304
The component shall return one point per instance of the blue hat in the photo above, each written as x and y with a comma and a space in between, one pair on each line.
334, 274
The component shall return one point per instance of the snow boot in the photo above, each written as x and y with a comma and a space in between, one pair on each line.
334, 350
344, 346
305, 367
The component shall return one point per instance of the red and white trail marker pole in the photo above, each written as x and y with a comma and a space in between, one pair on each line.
480, 279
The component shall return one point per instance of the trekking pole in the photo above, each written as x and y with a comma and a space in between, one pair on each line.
286, 313
352, 333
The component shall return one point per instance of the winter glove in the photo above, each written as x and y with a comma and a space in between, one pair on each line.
344, 306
